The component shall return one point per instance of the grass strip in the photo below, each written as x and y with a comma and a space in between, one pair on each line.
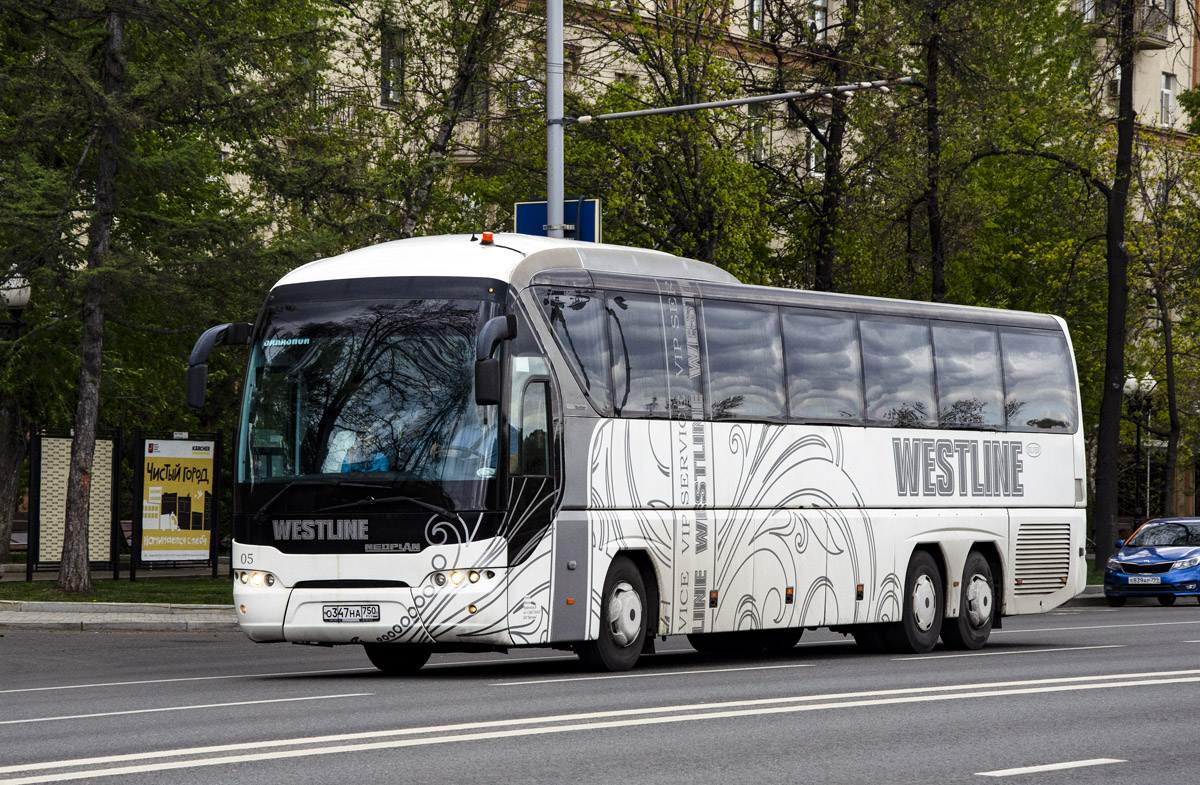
179, 591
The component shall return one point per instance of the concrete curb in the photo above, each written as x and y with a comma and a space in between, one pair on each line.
129, 617
25, 606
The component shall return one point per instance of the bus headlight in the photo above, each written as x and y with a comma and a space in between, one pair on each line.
457, 578
255, 578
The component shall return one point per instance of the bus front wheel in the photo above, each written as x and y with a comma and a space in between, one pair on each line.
921, 613
974, 623
622, 620
396, 658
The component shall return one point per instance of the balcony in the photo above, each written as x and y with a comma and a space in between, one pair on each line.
339, 107
1154, 26
1153, 21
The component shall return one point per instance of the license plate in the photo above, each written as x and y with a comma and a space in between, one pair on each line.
1143, 579
350, 613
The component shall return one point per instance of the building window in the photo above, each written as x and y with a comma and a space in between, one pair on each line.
1166, 115
391, 72
755, 13
757, 143
475, 102
818, 18
814, 155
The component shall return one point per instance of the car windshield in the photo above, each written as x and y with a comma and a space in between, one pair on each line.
1166, 533
367, 390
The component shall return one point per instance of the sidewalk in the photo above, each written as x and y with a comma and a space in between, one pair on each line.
92, 616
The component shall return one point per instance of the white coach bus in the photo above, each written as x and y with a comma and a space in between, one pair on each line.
474, 443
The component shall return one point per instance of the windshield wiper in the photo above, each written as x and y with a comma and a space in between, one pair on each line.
368, 501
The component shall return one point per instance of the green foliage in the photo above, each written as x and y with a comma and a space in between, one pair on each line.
186, 249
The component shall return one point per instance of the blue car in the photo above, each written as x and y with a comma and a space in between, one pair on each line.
1161, 560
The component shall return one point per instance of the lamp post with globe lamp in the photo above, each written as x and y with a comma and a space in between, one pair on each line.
1137, 393
14, 297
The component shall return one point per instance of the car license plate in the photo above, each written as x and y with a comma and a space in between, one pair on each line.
1142, 579
350, 613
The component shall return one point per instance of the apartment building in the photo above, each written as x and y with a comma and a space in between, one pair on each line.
1167, 61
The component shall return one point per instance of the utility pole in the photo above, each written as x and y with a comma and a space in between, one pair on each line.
554, 118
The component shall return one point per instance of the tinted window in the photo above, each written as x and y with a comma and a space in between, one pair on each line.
1038, 381
969, 385
898, 372
823, 365
577, 318
744, 356
654, 340
534, 430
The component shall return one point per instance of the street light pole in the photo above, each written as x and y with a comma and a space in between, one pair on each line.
1138, 392
554, 118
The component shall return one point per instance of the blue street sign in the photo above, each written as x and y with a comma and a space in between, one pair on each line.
530, 218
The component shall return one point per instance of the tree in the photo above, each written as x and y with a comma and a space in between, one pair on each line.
119, 117
399, 122
1164, 245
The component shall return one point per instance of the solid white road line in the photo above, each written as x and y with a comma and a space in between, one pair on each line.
1094, 627
1074, 764
649, 675
475, 731
184, 708
1004, 653
184, 678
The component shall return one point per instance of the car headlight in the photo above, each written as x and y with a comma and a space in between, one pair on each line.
1114, 565
1183, 564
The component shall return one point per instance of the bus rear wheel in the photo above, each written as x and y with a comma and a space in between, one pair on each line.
397, 658
622, 620
975, 608
921, 613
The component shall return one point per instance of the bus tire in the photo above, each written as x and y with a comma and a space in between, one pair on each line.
622, 620
397, 658
976, 606
921, 612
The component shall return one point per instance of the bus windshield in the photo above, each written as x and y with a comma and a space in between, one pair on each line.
369, 391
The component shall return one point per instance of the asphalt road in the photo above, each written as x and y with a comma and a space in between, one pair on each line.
1102, 694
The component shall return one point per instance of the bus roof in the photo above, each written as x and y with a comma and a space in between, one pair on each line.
517, 258
513, 258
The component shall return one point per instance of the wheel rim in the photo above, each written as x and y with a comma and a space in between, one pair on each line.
624, 614
979, 601
924, 603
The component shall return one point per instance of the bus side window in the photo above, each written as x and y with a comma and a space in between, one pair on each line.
1040, 392
653, 338
744, 361
970, 390
898, 370
824, 367
577, 318
534, 436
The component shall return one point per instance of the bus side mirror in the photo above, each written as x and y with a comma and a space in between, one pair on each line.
230, 334
488, 376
